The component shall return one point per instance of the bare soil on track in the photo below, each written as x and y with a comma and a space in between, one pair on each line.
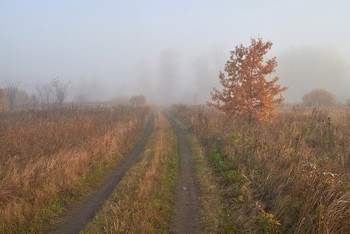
185, 218
76, 217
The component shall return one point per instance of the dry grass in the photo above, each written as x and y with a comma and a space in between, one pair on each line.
142, 201
287, 176
48, 158
211, 202
212, 206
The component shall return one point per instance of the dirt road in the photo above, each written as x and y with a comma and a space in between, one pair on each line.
75, 219
185, 218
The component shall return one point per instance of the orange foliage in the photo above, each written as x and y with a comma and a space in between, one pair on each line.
246, 92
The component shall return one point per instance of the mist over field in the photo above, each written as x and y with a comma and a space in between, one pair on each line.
170, 51
174, 116
307, 68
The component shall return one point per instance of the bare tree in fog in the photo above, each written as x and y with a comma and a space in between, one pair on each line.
45, 94
60, 90
52, 93
34, 101
11, 90
168, 71
24, 100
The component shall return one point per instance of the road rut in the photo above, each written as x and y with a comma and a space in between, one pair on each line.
185, 218
76, 219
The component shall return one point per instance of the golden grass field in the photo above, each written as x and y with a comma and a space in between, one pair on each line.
289, 175
49, 158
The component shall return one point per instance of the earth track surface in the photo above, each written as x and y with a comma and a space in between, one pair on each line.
76, 218
185, 218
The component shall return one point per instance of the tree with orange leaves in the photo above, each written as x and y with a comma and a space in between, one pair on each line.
246, 91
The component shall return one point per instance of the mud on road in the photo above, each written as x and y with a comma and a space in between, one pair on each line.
75, 219
185, 218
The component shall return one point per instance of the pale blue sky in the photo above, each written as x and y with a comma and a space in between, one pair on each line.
99, 42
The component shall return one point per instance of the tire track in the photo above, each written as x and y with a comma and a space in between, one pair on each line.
76, 219
185, 218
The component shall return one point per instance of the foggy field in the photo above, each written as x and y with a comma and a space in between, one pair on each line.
175, 116
289, 175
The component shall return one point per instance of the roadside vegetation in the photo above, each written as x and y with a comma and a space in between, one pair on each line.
289, 175
48, 158
211, 210
280, 171
143, 200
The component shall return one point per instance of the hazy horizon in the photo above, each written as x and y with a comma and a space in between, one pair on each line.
170, 51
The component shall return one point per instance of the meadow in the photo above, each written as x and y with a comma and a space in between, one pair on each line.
289, 175
50, 158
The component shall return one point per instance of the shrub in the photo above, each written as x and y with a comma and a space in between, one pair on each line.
318, 97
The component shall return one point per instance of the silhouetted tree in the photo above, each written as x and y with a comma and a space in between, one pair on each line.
45, 94
319, 97
52, 93
34, 101
60, 90
246, 92
11, 91
23, 100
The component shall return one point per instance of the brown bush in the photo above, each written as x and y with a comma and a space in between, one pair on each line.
318, 97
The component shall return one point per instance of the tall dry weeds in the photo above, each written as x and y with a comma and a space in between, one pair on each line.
286, 176
48, 158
